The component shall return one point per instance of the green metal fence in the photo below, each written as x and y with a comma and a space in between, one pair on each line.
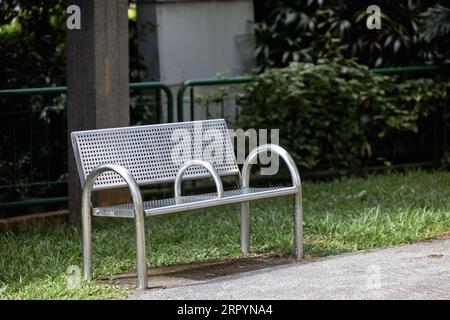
439, 143
410, 69
203, 83
51, 175
59, 90
192, 84
33, 145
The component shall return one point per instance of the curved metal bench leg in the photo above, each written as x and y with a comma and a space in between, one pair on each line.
298, 225
245, 227
139, 219
87, 240
140, 249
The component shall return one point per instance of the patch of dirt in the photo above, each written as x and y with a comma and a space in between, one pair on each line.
12, 223
170, 276
445, 235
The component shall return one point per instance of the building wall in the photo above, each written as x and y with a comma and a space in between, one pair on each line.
198, 39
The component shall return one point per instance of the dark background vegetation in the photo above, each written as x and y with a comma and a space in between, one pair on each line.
412, 32
334, 113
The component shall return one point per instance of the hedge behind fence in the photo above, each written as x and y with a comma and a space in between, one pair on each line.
338, 114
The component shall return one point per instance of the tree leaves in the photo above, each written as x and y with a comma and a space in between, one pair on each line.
333, 29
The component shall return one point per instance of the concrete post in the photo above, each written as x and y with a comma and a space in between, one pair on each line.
97, 78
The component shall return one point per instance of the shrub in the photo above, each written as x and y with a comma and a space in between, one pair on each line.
334, 114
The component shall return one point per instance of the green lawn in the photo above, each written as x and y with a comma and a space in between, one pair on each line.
340, 216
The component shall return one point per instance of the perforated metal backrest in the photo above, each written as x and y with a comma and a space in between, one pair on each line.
154, 153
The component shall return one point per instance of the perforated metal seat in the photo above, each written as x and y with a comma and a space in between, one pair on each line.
154, 154
171, 205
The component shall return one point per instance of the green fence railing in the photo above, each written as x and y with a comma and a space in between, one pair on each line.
410, 69
400, 71
203, 83
57, 90
161, 86
245, 79
29, 137
44, 131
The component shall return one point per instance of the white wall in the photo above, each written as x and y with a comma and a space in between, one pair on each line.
198, 39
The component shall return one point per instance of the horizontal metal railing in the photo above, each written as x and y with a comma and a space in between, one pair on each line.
409, 69
204, 82
135, 85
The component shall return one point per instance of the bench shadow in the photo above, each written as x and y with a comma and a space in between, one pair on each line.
182, 274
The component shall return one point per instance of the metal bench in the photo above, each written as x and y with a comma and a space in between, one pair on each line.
165, 153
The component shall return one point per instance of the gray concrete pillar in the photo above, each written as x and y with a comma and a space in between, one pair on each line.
97, 76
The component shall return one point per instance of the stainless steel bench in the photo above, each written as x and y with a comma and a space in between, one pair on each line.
155, 154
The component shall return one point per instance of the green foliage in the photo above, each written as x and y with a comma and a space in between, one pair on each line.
333, 114
32, 35
300, 30
32, 43
436, 32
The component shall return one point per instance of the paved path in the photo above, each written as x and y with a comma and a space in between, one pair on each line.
418, 271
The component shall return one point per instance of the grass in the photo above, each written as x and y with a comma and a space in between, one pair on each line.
340, 216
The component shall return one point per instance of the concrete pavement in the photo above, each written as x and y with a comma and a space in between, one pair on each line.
417, 271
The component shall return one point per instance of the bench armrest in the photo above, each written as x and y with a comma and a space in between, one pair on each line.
123, 172
245, 178
203, 164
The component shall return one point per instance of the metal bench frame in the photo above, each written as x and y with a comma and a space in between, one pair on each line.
89, 177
